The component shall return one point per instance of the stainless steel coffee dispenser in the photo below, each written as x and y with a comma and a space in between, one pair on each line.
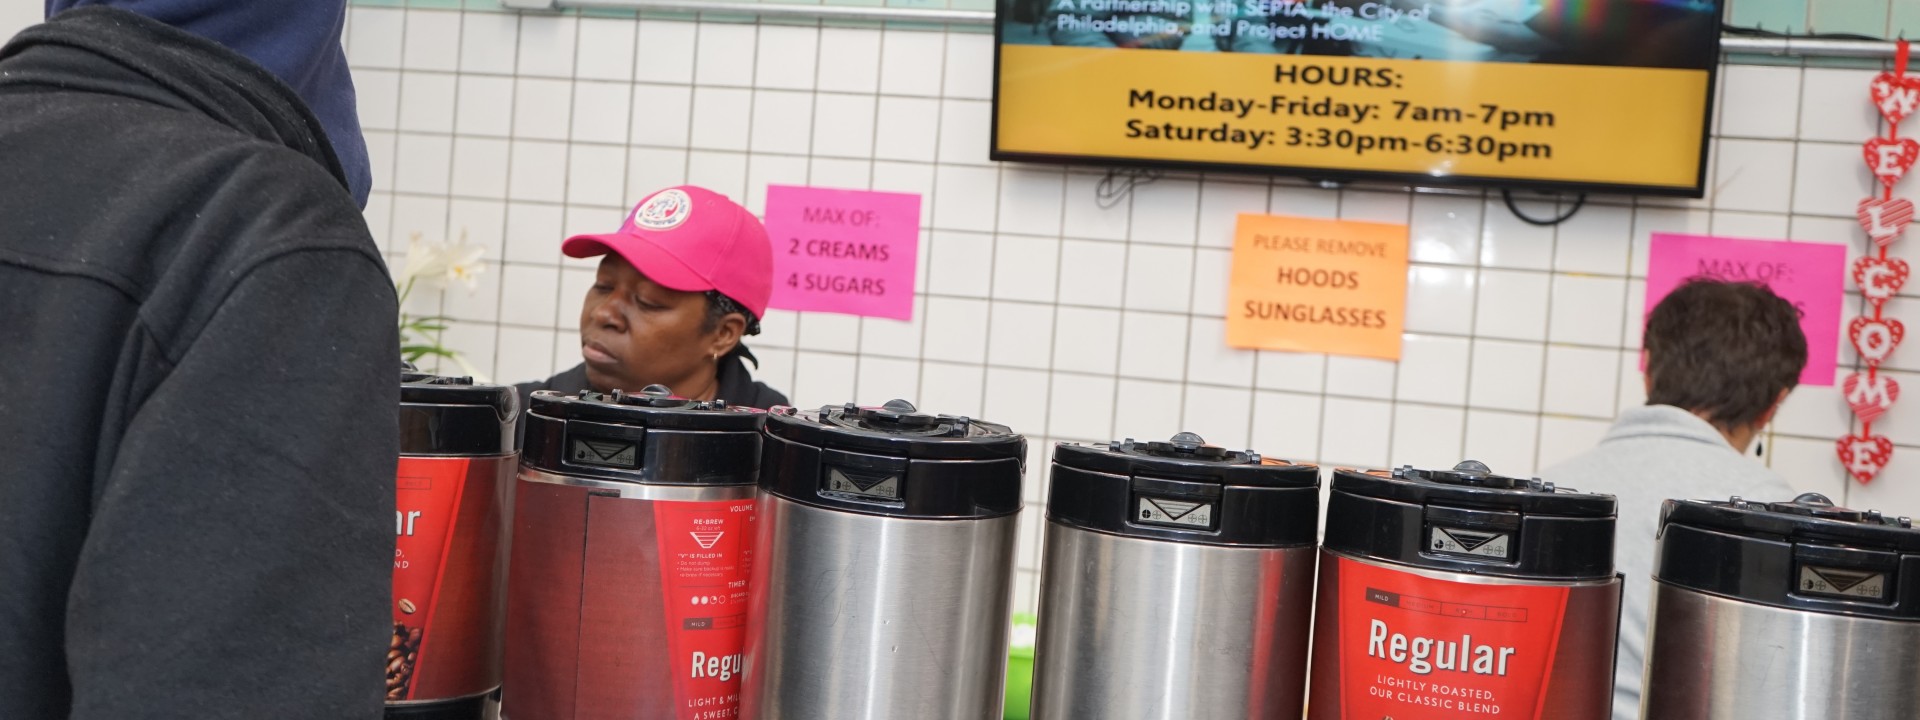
884, 567
1784, 611
1460, 593
1178, 583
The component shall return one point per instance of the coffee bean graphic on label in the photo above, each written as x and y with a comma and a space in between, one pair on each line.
406, 606
401, 651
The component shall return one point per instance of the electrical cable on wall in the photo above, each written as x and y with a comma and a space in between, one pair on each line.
1579, 201
1119, 183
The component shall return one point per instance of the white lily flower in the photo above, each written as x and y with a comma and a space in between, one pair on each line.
463, 263
435, 265
424, 260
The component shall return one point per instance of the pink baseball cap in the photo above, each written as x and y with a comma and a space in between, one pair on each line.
692, 239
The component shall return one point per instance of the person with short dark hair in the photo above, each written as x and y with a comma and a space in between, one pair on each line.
1721, 358
680, 284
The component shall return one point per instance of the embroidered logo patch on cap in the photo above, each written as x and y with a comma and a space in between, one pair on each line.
664, 211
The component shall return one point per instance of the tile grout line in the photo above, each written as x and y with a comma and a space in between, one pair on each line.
1120, 332
693, 78
1793, 179
1473, 320
1393, 406
926, 208
1253, 391
813, 132
560, 274
627, 190
1186, 322
1326, 361
453, 144
1059, 274
917, 306
1553, 290
506, 211
993, 305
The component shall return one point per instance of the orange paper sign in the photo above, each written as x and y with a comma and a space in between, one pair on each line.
1325, 286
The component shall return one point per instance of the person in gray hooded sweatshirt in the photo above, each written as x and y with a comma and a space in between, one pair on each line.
1721, 358
198, 355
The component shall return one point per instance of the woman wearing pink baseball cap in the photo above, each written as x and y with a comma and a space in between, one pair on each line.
685, 278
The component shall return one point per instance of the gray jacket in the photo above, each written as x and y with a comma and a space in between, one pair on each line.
1651, 454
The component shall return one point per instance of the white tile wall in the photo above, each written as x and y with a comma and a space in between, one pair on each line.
1039, 305
15, 17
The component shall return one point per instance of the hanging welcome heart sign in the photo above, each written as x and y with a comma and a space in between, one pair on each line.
1875, 338
1865, 456
1878, 278
1896, 96
1885, 220
1870, 394
1890, 159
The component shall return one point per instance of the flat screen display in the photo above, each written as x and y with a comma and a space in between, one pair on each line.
1603, 95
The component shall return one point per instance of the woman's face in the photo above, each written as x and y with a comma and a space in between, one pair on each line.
635, 332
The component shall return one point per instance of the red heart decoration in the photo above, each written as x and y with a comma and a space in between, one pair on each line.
1885, 220
1875, 339
1879, 278
1864, 457
1890, 159
1895, 95
1870, 397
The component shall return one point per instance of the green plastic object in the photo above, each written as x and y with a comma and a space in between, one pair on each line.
1020, 667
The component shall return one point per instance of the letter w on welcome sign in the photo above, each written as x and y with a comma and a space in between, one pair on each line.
1312, 285
843, 251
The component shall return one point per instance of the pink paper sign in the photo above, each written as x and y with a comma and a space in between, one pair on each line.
843, 251
1810, 275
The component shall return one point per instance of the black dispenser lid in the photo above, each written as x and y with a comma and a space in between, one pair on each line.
1803, 554
1184, 490
1470, 520
893, 460
442, 415
651, 437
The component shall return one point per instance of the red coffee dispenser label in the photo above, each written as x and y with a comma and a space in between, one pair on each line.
446, 589
706, 556
1417, 648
